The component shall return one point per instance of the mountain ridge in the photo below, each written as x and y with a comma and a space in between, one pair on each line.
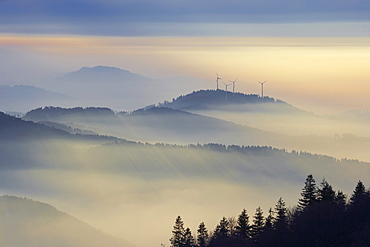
100, 72
24, 97
216, 99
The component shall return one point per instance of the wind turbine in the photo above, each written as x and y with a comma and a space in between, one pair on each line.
262, 86
217, 78
226, 85
233, 82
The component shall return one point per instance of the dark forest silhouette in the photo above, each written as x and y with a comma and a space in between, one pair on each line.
323, 217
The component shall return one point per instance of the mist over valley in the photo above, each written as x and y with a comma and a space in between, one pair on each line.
119, 169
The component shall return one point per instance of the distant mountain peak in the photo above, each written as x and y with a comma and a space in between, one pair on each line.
101, 72
101, 68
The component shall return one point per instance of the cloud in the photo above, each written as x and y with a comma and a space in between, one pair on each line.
125, 17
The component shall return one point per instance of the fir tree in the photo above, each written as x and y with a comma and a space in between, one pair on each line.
243, 227
309, 194
221, 234
223, 229
358, 193
281, 223
326, 192
178, 232
281, 215
340, 198
188, 238
203, 237
269, 220
258, 224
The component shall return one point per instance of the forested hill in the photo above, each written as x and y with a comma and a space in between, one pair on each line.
12, 128
41, 225
66, 114
213, 99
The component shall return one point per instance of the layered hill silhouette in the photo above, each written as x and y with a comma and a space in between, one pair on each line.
156, 124
59, 114
113, 152
131, 183
12, 128
23, 98
168, 125
228, 101
25, 222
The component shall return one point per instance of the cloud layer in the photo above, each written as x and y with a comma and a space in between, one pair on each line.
152, 17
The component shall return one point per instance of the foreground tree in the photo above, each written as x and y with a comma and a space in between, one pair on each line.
270, 219
258, 224
309, 194
326, 192
324, 219
221, 235
243, 227
340, 198
178, 232
281, 219
203, 236
359, 192
188, 238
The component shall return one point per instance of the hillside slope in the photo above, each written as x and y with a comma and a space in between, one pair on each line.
157, 124
23, 98
28, 223
225, 100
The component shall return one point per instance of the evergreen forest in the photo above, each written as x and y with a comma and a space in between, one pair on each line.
322, 217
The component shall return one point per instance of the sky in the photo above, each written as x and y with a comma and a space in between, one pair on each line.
313, 54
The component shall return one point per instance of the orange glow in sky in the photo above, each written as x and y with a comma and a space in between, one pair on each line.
318, 73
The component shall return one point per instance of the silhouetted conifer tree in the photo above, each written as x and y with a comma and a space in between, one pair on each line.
221, 235
359, 216
309, 194
267, 239
326, 192
281, 223
243, 227
258, 224
178, 232
202, 237
222, 229
269, 219
358, 193
281, 215
188, 238
340, 198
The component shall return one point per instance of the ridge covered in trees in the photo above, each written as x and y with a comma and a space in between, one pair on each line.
323, 217
204, 99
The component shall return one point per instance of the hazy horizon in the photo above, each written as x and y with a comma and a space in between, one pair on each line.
313, 55
323, 75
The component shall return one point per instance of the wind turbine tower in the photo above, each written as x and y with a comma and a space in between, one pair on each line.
262, 86
226, 85
233, 82
217, 78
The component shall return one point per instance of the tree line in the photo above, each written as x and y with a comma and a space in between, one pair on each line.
322, 217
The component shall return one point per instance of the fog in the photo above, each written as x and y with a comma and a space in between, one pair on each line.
290, 123
128, 190
274, 124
